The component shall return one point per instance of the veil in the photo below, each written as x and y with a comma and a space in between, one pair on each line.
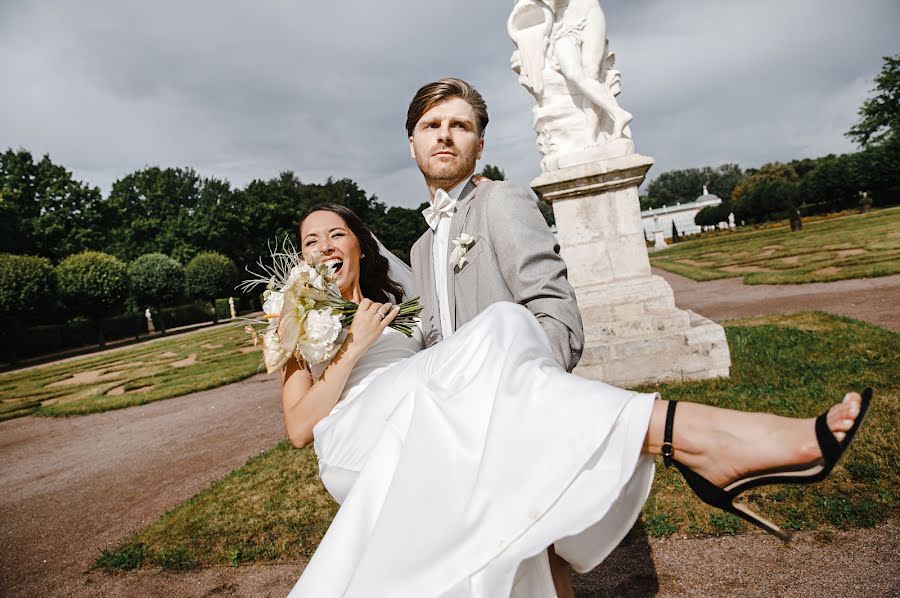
398, 271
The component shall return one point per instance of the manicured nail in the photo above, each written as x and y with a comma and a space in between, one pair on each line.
854, 409
848, 423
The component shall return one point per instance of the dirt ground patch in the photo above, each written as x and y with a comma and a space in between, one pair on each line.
87, 378
187, 361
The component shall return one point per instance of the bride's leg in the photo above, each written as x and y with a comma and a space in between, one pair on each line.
723, 445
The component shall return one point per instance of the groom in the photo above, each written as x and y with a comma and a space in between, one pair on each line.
486, 242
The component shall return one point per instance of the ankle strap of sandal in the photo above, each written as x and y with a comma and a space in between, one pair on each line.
667, 450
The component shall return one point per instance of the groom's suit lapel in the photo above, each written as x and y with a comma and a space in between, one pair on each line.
457, 223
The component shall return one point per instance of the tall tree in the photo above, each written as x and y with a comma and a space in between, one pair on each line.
172, 211
770, 193
44, 210
93, 284
879, 116
495, 173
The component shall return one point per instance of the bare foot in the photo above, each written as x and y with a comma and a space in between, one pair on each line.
724, 445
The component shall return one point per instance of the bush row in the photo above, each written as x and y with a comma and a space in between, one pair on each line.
78, 332
79, 301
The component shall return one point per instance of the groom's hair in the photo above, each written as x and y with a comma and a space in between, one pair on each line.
444, 89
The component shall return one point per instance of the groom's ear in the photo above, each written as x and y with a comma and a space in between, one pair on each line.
412, 150
480, 147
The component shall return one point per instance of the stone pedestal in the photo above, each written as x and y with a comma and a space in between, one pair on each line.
633, 332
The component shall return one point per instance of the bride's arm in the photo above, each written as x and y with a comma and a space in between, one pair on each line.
305, 402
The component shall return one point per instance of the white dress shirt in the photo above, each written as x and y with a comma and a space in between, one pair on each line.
439, 253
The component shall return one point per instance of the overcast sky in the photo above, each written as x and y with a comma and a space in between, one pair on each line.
244, 90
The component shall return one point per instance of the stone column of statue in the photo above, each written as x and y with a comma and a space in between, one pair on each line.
149, 316
563, 60
231, 307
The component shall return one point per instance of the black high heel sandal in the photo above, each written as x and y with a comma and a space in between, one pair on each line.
723, 498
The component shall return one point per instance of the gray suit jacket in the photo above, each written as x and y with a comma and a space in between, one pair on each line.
515, 258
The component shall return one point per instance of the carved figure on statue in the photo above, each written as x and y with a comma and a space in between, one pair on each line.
563, 60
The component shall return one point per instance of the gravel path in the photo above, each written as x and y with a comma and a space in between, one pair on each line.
70, 486
854, 564
875, 300
73, 485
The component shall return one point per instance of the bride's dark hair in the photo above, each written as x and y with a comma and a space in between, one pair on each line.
374, 281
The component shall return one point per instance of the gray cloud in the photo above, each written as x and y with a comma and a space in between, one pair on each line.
244, 90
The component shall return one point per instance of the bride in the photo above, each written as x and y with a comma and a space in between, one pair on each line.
457, 466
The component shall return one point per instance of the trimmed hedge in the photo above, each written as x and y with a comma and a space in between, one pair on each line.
93, 283
209, 275
156, 280
27, 284
185, 315
77, 332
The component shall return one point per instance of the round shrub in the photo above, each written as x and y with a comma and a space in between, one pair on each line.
27, 284
156, 281
93, 284
209, 275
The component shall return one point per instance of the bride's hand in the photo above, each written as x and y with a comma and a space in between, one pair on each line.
369, 322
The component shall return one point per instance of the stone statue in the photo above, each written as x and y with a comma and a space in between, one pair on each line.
659, 238
563, 60
149, 316
231, 307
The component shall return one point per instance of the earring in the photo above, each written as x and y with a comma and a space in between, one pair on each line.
362, 256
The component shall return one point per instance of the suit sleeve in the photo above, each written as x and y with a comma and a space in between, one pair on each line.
535, 274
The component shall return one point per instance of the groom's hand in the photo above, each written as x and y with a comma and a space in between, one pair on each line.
479, 178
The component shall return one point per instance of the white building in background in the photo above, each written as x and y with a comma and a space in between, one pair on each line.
682, 214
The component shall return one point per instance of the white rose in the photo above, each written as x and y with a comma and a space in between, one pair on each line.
461, 245
322, 327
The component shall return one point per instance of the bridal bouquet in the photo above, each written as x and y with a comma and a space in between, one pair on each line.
305, 314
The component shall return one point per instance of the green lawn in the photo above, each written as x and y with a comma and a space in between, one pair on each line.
274, 507
832, 248
141, 374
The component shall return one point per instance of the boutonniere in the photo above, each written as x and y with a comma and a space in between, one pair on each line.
461, 245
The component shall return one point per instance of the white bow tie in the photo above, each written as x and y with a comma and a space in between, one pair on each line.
441, 205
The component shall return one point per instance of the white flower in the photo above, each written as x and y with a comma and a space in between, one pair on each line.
320, 333
274, 300
322, 326
317, 280
274, 355
461, 245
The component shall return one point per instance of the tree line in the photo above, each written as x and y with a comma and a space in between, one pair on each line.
45, 211
162, 236
778, 191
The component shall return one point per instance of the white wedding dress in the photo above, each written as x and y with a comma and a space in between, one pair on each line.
458, 465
